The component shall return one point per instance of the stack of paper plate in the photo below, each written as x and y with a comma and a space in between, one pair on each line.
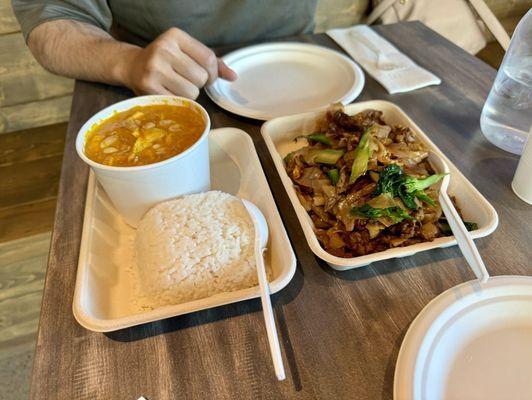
474, 341
278, 79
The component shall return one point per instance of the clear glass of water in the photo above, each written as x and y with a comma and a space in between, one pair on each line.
507, 114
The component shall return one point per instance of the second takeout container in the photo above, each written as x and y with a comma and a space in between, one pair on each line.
107, 282
134, 190
279, 135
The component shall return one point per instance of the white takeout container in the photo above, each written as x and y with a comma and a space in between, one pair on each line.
134, 190
104, 295
279, 134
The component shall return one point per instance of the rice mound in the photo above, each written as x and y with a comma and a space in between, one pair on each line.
194, 247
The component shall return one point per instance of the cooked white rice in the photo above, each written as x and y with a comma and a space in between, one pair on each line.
194, 247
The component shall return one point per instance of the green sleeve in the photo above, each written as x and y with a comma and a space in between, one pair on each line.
31, 13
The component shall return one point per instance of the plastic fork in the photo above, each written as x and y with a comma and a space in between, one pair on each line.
381, 62
463, 238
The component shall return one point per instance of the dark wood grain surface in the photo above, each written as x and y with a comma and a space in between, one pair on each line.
340, 332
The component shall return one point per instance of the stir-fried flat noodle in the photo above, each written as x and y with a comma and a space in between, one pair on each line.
366, 185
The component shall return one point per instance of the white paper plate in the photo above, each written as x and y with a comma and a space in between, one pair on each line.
473, 341
278, 79
104, 297
279, 135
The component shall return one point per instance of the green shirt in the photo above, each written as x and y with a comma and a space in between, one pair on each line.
213, 22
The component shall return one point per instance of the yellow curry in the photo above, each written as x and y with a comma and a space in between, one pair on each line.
144, 135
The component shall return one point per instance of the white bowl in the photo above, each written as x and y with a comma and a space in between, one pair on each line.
134, 190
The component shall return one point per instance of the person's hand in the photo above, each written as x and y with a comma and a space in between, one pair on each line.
174, 63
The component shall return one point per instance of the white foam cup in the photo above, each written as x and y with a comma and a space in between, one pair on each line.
134, 190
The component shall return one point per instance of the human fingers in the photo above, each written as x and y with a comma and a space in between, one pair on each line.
179, 85
225, 72
190, 70
196, 50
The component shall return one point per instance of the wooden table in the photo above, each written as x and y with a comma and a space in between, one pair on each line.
340, 332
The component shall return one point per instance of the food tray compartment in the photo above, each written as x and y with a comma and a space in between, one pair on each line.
279, 134
106, 282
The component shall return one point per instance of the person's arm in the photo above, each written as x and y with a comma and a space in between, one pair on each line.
174, 63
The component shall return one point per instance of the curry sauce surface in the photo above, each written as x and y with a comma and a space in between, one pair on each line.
144, 135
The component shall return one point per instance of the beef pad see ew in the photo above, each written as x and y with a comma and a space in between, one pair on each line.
367, 185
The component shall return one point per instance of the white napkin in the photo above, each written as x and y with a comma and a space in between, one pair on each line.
391, 68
